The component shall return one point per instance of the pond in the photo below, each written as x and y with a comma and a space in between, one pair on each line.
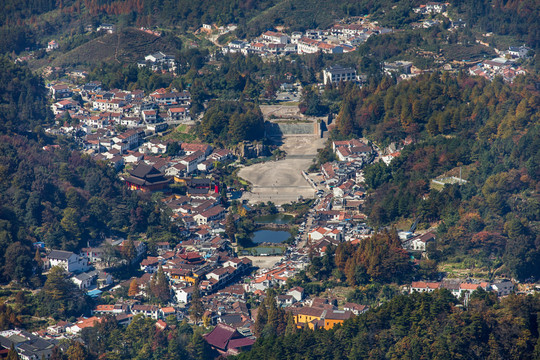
280, 219
270, 236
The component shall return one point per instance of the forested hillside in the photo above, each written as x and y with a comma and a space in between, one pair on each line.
231, 122
54, 194
21, 25
490, 129
420, 326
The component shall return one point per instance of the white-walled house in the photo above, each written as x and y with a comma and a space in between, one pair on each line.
297, 293
419, 243
150, 311
183, 294
83, 281
71, 262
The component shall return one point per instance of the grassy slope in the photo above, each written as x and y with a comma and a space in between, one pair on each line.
126, 45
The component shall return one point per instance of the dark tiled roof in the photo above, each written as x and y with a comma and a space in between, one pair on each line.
142, 170
221, 335
60, 255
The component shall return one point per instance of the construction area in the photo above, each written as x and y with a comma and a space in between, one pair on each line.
282, 181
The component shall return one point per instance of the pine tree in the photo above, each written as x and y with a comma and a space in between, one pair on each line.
262, 319
159, 286
230, 228
291, 325
196, 309
199, 348
37, 259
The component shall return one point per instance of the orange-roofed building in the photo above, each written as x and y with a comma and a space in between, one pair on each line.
82, 324
424, 286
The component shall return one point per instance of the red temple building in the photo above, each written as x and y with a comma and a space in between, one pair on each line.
147, 178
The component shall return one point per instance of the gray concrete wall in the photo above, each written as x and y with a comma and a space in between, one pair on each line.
279, 129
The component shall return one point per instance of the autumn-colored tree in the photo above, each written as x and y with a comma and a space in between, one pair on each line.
77, 351
128, 251
12, 353
133, 288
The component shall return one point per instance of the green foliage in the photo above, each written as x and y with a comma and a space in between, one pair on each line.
452, 122
231, 122
505, 17
372, 294
60, 196
159, 286
18, 263
419, 325
60, 297
310, 103
271, 320
23, 96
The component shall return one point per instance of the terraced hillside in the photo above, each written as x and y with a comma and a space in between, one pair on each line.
125, 45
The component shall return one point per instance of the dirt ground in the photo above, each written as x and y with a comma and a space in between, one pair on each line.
280, 111
264, 262
282, 181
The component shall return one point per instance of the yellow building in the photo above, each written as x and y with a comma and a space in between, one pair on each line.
307, 316
316, 318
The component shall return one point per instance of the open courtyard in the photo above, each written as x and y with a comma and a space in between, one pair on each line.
281, 181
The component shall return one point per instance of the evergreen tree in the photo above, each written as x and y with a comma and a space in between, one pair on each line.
230, 228
38, 260
196, 309
199, 348
261, 320
159, 286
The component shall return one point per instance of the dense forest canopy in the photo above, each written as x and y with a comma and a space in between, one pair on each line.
488, 128
420, 326
231, 122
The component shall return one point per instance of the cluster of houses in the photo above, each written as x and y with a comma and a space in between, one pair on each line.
431, 8
463, 289
344, 176
29, 346
340, 38
86, 268
506, 68
159, 62
116, 128
97, 108
208, 262
277, 275
130, 149
200, 210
